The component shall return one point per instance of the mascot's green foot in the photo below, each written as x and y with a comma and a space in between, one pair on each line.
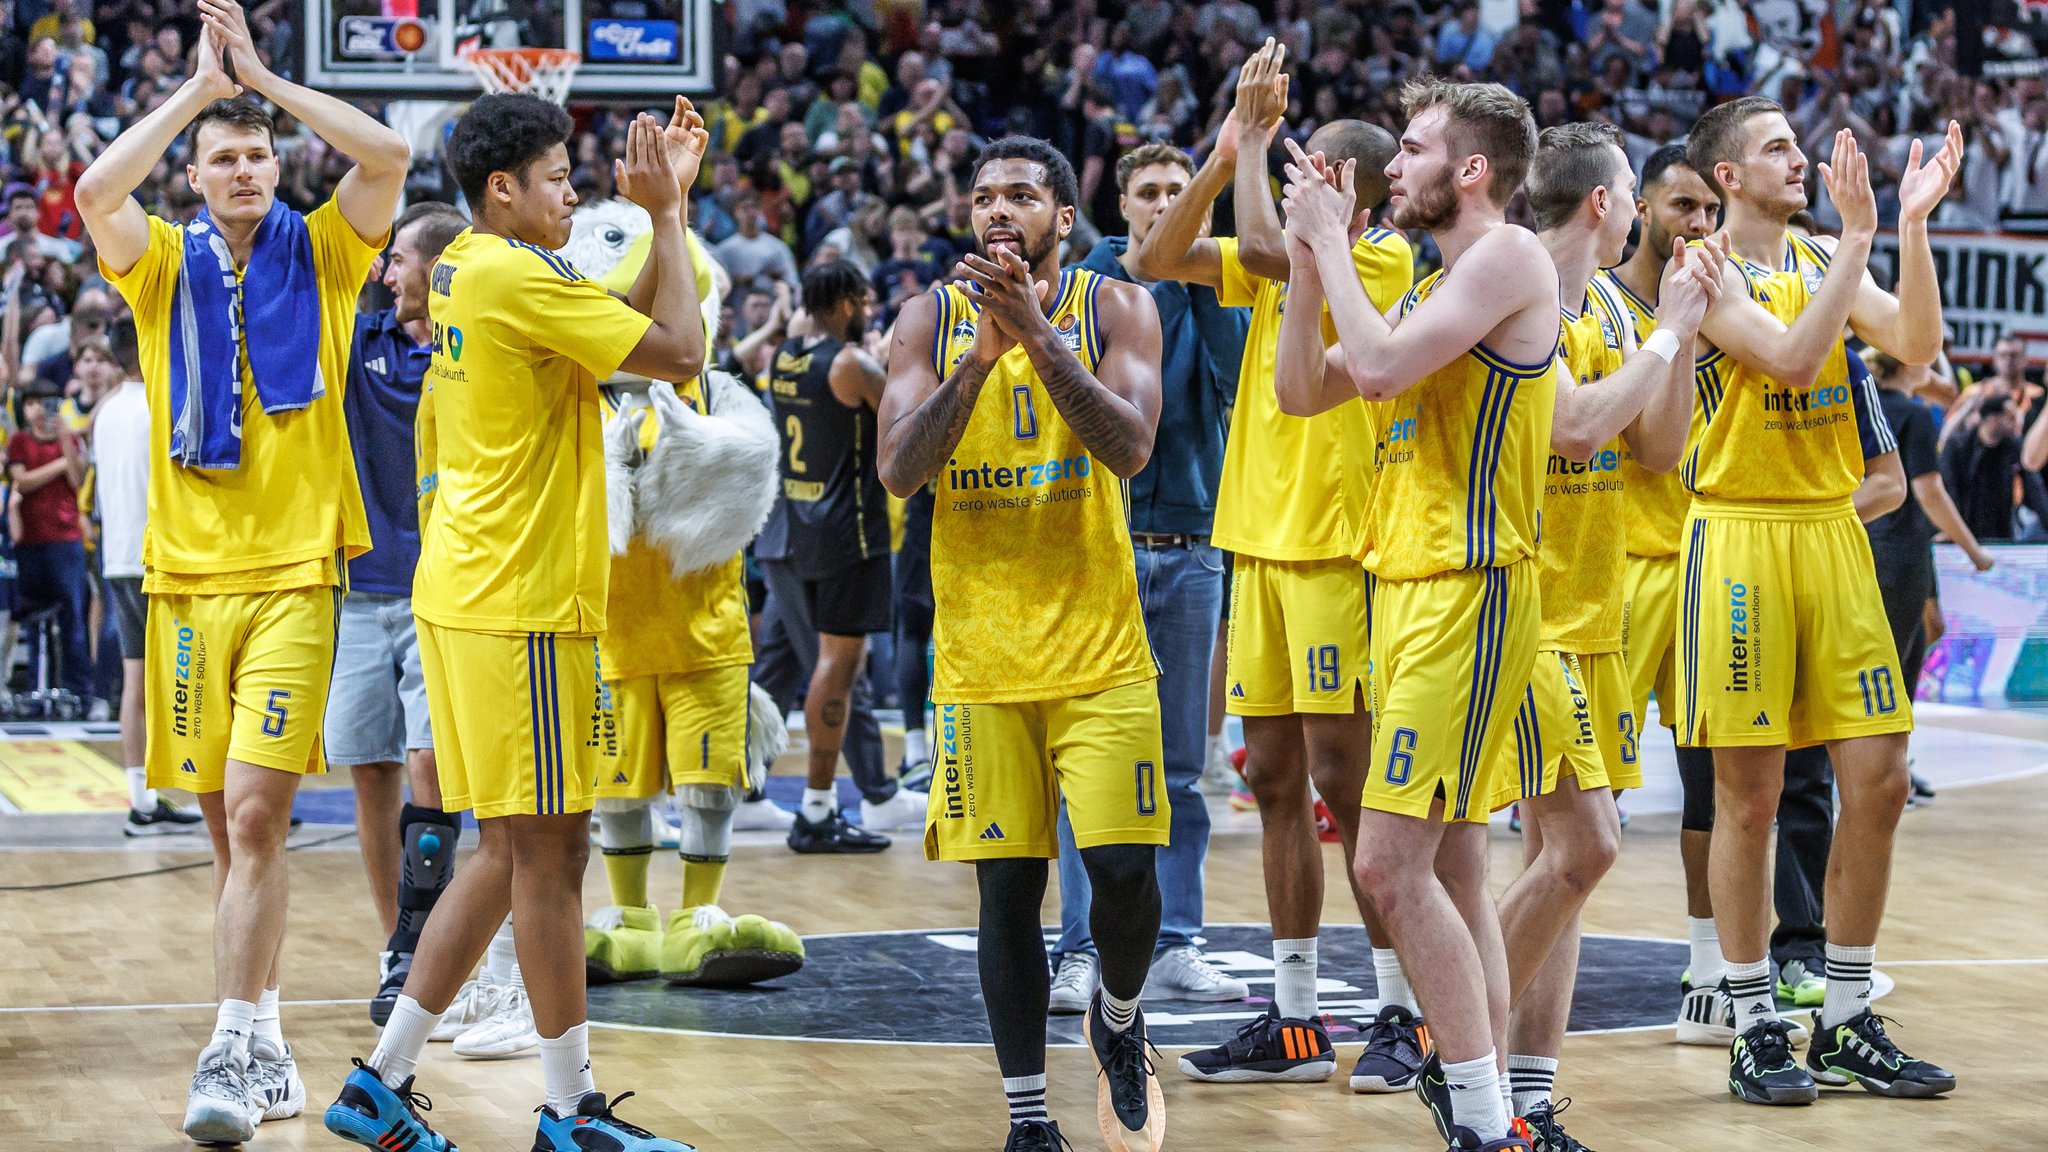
706, 947
622, 944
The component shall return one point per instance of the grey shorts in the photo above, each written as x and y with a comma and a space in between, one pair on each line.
377, 704
131, 613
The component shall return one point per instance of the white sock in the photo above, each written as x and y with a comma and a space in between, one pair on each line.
917, 747
565, 1067
1027, 1097
234, 1024
404, 1038
269, 1024
1749, 985
1531, 1077
1118, 1014
1507, 1095
1394, 989
819, 803
1707, 966
141, 796
1475, 1097
1294, 978
1848, 977
501, 958
1219, 749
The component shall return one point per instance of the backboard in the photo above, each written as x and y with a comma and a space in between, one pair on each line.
407, 49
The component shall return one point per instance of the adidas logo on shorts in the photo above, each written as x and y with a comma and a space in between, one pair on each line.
1761, 721
992, 832
187, 767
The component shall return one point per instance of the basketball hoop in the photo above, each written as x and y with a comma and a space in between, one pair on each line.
545, 72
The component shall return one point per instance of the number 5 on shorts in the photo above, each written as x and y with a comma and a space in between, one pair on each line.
275, 713
1401, 757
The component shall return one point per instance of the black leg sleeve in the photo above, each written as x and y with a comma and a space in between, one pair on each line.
1124, 915
1016, 982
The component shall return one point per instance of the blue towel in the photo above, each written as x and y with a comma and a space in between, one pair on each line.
277, 297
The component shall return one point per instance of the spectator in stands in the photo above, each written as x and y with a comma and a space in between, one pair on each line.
24, 220
52, 352
1980, 467
1464, 41
751, 256
47, 463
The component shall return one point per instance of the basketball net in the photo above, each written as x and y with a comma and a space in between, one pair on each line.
545, 72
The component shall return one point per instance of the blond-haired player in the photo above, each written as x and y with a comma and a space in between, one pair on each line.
256, 505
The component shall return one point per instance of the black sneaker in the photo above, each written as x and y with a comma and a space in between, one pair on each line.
1761, 1069
1270, 1048
1857, 1051
1128, 1105
1036, 1136
833, 836
1922, 792
1436, 1096
1546, 1134
166, 819
1518, 1139
1395, 1043
918, 778
395, 967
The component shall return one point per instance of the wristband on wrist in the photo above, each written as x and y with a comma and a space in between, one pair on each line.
1663, 344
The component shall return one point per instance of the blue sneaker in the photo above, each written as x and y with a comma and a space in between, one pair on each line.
592, 1126
369, 1112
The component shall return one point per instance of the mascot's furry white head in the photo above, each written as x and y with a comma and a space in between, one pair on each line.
604, 233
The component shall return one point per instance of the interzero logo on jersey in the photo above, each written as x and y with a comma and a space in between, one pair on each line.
186, 670
1741, 610
949, 751
1827, 396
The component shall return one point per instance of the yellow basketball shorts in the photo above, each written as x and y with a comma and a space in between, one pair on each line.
1649, 635
236, 676
1574, 721
516, 725
1450, 655
1298, 637
660, 732
1003, 769
1784, 638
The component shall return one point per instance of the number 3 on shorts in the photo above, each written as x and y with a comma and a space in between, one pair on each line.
1401, 757
276, 713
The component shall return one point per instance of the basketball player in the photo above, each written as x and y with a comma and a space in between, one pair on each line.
1575, 734
1464, 381
1783, 637
825, 551
376, 721
674, 711
1291, 507
1031, 393
512, 582
1675, 203
257, 497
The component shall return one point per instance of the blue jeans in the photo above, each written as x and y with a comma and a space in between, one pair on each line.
56, 574
1181, 590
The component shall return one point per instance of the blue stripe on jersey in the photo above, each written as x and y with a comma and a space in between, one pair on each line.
943, 332
1695, 561
1094, 341
1529, 745
1482, 507
553, 703
1708, 388
560, 265
1485, 680
534, 721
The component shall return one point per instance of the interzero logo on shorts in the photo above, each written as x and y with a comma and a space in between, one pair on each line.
1741, 610
949, 750
189, 664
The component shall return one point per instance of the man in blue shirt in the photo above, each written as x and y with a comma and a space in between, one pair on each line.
377, 705
1180, 582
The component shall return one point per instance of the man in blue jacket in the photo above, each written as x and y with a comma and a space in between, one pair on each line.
1180, 581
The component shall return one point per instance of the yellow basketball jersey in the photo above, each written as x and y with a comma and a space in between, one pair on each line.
1582, 555
1656, 502
1295, 489
1034, 590
1757, 441
1461, 461
662, 624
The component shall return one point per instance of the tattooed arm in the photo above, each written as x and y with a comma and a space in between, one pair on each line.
1114, 410
923, 417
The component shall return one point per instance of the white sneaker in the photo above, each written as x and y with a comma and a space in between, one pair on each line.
98, 711
507, 1031
905, 810
468, 1009
219, 1110
274, 1084
1706, 1017
1073, 986
1183, 974
762, 815
1218, 777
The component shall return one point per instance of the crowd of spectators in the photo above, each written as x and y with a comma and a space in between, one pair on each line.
849, 130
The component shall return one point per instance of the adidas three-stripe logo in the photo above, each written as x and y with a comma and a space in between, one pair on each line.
1300, 1043
1762, 721
992, 832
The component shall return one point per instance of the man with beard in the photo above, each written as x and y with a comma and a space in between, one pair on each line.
1029, 392
1464, 382
1784, 639
1291, 507
513, 579
1575, 735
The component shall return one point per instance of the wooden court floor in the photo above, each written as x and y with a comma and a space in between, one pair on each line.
102, 993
